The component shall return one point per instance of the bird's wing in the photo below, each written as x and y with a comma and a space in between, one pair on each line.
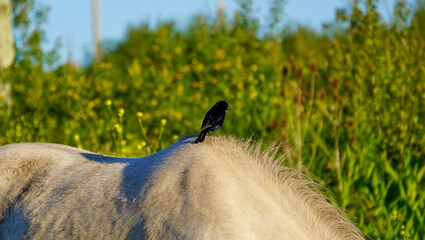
208, 121
212, 122
206, 127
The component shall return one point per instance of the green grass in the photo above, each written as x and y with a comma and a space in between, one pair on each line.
349, 105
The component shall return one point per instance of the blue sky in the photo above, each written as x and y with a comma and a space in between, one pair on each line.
71, 20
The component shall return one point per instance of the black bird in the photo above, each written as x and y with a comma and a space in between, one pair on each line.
213, 120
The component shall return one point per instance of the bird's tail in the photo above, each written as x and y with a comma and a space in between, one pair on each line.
201, 137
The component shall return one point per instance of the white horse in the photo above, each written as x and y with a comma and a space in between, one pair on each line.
222, 188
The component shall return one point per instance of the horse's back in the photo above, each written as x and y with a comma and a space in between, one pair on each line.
222, 188
50, 190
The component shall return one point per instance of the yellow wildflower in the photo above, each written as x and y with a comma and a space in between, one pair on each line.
121, 112
77, 137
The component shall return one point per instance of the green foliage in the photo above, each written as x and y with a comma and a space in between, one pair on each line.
350, 107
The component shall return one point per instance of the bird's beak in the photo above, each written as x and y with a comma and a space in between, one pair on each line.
228, 108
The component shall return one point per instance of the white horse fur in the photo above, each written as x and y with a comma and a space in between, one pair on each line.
222, 188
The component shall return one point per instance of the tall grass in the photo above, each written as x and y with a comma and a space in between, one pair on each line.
349, 105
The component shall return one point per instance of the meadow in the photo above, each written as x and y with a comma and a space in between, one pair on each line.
348, 103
